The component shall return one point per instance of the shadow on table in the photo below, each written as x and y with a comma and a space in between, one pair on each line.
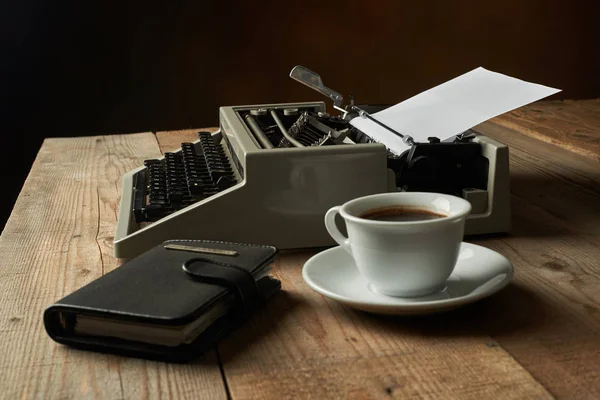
258, 325
512, 310
542, 205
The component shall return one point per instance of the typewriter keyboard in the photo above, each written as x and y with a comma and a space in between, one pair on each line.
181, 179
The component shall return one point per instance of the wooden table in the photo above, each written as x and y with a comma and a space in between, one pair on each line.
538, 338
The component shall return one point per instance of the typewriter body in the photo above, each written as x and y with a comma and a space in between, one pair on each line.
271, 171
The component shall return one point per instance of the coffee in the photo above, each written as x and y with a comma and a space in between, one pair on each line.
400, 214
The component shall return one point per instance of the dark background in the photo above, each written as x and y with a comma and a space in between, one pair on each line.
87, 68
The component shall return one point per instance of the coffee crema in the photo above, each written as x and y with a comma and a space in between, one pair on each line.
400, 214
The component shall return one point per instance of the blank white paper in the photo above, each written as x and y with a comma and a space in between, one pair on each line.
452, 107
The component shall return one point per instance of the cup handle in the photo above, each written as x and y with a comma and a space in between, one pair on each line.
333, 230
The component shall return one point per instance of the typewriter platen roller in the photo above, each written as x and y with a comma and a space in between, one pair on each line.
272, 171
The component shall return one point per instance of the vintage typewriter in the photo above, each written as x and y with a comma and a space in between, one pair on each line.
271, 171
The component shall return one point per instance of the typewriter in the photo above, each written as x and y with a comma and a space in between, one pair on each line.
271, 171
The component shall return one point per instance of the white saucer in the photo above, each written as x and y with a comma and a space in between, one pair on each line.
479, 273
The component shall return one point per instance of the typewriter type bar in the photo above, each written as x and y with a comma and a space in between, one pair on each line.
276, 129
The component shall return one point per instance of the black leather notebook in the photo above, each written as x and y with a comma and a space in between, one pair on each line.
172, 302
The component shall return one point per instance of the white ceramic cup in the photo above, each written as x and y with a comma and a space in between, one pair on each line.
403, 258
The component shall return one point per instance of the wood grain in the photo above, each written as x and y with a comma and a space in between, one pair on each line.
59, 238
303, 346
572, 125
538, 338
550, 320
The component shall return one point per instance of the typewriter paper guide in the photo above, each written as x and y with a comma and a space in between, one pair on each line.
452, 108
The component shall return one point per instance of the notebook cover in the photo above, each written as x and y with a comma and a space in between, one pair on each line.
153, 288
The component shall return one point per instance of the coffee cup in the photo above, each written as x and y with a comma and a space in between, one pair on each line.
405, 244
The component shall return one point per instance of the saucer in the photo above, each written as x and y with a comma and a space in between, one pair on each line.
479, 273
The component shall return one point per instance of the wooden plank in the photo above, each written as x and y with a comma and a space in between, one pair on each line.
555, 181
573, 125
59, 238
303, 346
550, 319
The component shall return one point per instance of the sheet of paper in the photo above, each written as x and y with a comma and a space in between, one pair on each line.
452, 107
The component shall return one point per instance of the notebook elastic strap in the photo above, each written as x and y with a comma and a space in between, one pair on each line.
239, 280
